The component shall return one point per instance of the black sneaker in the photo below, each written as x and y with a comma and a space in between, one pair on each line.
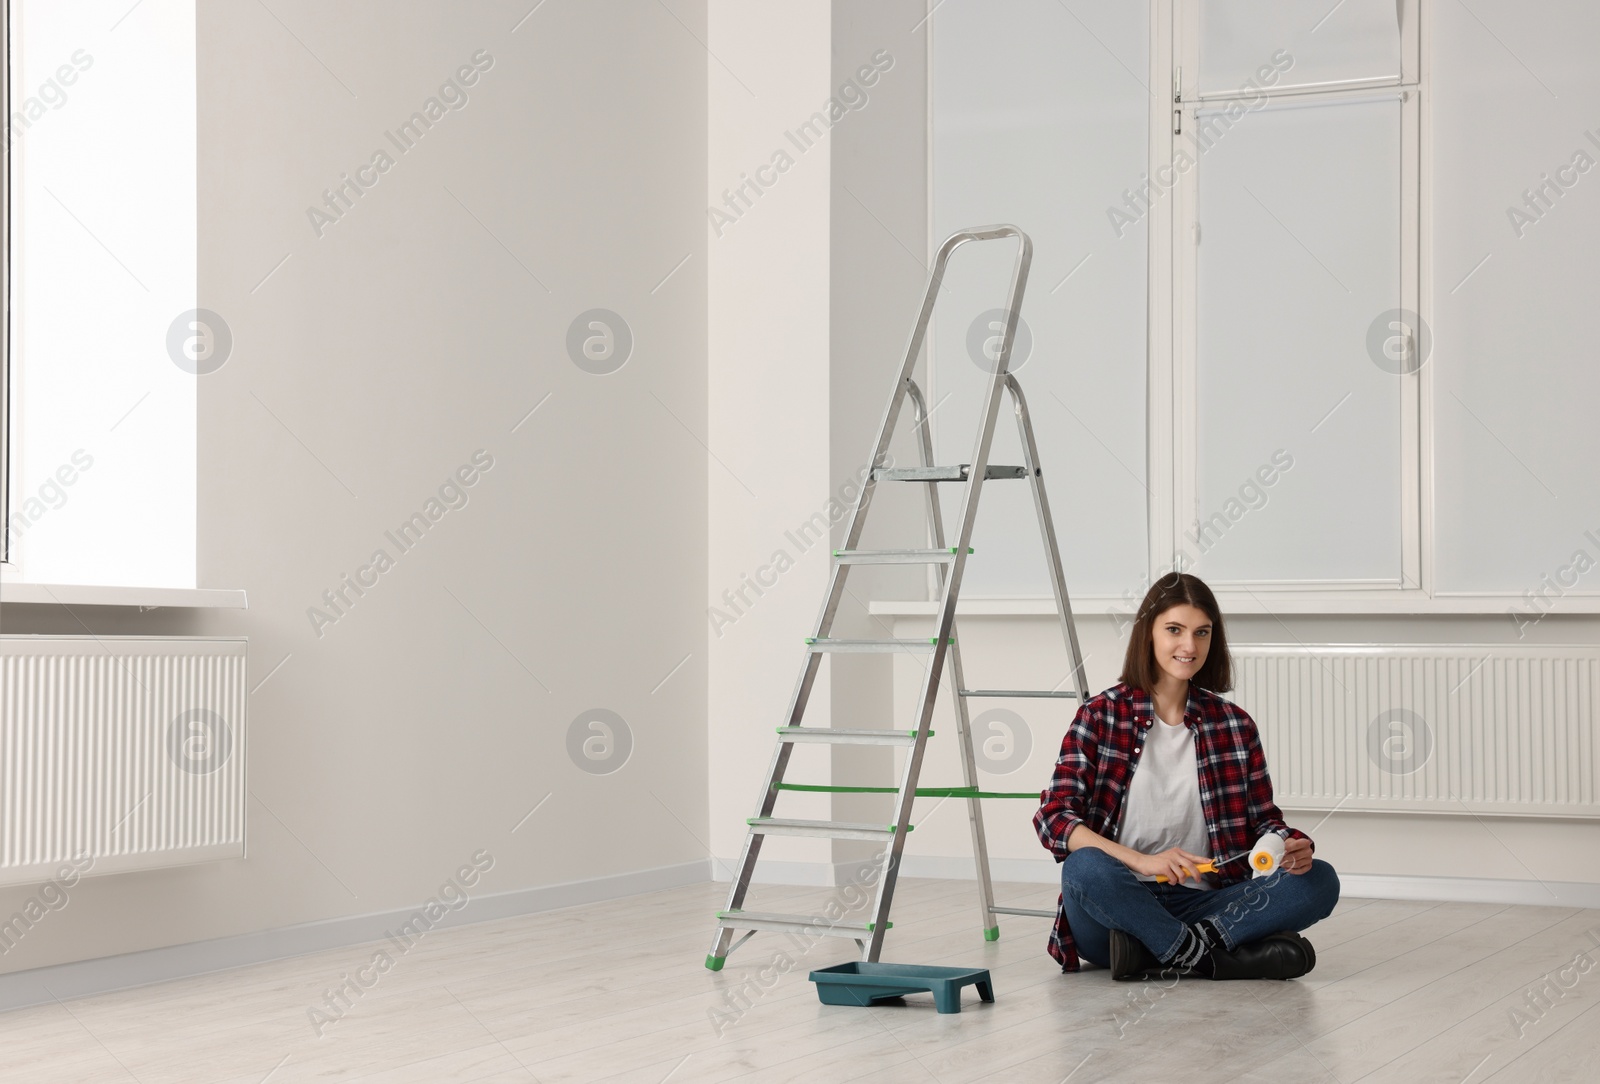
1132, 962
1281, 955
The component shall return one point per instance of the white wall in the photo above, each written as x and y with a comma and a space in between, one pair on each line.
1037, 121
417, 729
768, 402
1514, 346
813, 291
879, 277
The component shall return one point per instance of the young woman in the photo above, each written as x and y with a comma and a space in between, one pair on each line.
1157, 775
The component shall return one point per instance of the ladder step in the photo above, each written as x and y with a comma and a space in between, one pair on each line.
779, 826
896, 557
1027, 912
920, 792
825, 643
944, 474
832, 735
1019, 692
816, 924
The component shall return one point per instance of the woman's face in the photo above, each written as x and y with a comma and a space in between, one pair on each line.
1182, 637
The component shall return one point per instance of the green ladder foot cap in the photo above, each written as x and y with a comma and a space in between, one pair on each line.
991, 934
714, 963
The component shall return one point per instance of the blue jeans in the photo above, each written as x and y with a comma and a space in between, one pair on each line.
1100, 894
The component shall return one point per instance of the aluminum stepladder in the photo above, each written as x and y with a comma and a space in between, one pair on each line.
949, 561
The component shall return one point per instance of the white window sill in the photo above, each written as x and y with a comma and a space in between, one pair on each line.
1260, 602
58, 594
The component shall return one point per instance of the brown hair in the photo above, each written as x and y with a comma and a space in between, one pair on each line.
1139, 667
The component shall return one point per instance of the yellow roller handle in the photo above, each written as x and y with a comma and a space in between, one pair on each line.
1207, 866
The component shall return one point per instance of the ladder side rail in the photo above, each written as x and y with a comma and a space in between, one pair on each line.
745, 870
969, 775
921, 422
1047, 528
914, 343
952, 584
891, 414
958, 681
880, 450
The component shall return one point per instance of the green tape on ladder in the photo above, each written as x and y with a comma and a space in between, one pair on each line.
835, 790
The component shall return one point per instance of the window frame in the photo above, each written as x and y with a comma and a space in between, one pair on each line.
5, 290
1174, 420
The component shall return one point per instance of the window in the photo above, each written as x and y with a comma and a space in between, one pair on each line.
1273, 422
1289, 184
100, 456
1039, 113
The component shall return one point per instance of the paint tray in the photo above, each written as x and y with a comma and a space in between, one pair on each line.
862, 983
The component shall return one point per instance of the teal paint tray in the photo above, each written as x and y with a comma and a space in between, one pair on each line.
860, 983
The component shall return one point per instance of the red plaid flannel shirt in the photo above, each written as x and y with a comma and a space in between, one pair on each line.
1098, 756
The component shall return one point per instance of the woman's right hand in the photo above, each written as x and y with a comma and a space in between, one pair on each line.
1174, 863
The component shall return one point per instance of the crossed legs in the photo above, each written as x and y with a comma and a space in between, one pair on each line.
1100, 894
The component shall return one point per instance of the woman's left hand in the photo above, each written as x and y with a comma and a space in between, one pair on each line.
1297, 856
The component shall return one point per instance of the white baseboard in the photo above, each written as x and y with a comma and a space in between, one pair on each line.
44, 985
1380, 886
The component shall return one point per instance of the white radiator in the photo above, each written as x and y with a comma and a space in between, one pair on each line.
1434, 728
125, 750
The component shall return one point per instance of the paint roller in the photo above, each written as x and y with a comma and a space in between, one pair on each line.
1265, 858
1267, 855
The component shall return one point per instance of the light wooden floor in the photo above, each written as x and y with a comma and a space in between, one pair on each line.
1402, 992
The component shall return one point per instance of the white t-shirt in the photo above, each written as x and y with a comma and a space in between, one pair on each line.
1162, 806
